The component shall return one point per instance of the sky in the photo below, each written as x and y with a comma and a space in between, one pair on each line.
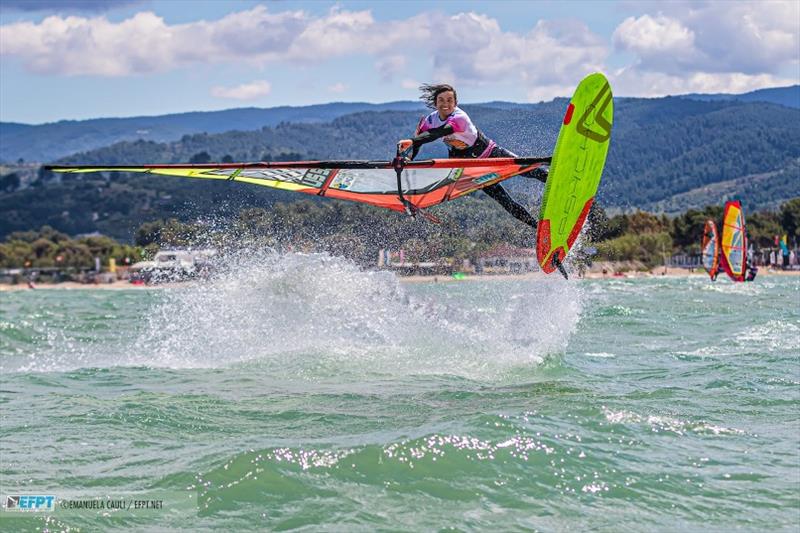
78, 59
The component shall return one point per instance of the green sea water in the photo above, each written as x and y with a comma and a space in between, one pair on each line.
299, 392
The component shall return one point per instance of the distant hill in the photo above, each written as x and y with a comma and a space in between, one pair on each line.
7, 128
670, 146
785, 96
667, 154
47, 142
763, 191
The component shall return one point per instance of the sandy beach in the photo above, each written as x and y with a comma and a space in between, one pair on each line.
598, 271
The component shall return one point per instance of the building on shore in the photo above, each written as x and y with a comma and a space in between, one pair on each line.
174, 265
500, 259
507, 259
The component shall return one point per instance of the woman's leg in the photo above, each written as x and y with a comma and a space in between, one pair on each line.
537, 173
499, 194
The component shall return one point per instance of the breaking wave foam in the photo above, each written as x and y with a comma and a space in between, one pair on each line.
314, 314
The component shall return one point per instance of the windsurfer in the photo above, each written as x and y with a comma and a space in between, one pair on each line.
451, 124
752, 271
750, 267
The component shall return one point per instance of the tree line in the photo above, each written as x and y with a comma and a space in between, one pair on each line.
468, 229
49, 248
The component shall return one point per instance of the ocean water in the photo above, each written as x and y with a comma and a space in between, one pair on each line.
300, 392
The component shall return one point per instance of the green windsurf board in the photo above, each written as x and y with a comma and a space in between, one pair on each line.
575, 171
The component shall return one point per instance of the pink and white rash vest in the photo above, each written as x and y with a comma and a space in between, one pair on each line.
464, 137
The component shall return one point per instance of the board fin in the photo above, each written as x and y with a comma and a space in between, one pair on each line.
560, 266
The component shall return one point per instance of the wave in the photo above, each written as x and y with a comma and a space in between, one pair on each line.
295, 314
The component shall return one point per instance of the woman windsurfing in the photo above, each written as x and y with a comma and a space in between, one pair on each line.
464, 141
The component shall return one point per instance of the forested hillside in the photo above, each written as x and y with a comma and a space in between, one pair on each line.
671, 146
667, 154
46, 142
50, 141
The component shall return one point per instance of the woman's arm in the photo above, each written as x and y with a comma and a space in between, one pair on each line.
427, 136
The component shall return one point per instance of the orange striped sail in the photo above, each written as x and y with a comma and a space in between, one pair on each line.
734, 241
422, 184
710, 249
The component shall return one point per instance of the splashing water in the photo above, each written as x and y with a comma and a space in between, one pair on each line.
292, 312
308, 315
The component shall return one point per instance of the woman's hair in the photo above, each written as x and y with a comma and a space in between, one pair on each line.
430, 91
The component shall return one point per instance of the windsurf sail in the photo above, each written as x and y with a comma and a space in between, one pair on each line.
420, 184
710, 249
734, 241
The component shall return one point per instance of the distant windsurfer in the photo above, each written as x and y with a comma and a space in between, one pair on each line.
464, 141
752, 269
751, 273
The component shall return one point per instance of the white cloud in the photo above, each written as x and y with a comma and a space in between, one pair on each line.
551, 53
145, 44
709, 47
76, 45
751, 38
748, 37
702, 44
661, 42
631, 81
648, 34
390, 66
337, 88
356, 32
246, 91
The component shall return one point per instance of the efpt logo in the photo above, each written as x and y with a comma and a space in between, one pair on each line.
30, 502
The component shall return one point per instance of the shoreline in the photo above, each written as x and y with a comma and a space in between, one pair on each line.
595, 273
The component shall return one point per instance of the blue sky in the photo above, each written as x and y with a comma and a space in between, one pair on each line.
76, 59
